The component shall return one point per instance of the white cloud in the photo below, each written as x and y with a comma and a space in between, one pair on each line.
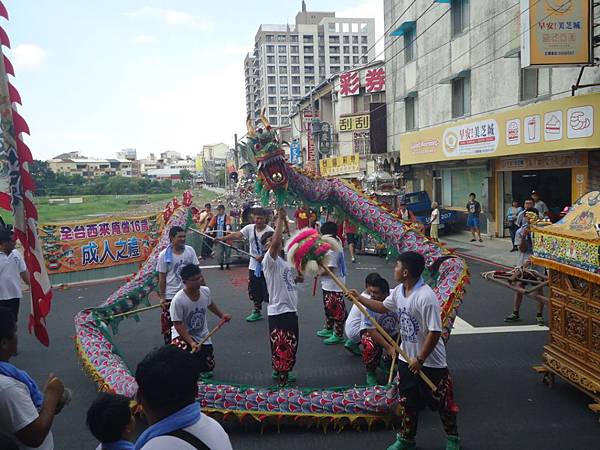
143, 39
28, 57
174, 18
203, 110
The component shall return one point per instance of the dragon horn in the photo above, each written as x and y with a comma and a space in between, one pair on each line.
263, 119
250, 127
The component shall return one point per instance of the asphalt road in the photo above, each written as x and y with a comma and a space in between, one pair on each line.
503, 403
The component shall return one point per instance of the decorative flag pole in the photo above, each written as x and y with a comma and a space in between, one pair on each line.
16, 192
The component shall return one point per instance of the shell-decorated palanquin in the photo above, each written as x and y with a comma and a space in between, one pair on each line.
446, 273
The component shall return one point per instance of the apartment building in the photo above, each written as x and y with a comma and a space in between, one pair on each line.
288, 61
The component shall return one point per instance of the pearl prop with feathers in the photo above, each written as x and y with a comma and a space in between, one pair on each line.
307, 251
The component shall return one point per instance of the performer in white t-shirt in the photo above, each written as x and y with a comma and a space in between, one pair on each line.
188, 312
333, 297
283, 303
420, 330
170, 262
257, 288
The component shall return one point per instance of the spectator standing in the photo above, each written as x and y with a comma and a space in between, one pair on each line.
473, 211
404, 213
12, 271
350, 237
528, 204
434, 220
25, 412
539, 204
219, 226
511, 219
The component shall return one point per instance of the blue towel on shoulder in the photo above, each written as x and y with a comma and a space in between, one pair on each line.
9, 370
181, 419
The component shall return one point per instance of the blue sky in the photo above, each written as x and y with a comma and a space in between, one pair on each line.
99, 76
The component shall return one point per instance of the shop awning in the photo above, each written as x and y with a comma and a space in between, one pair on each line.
409, 25
461, 74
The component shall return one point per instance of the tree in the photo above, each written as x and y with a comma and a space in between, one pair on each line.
186, 175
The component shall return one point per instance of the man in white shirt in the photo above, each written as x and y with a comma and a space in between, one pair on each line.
13, 271
420, 330
257, 287
539, 204
434, 221
167, 381
25, 413
169, 265
283, 303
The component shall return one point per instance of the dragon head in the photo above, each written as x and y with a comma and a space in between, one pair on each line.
263, 149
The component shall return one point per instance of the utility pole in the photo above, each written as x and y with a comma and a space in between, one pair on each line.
235, 152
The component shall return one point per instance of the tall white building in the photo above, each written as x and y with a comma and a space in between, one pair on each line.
288, 61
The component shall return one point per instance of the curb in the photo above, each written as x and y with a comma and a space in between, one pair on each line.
483, 260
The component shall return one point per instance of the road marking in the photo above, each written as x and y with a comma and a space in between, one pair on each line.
463, 327
366, 268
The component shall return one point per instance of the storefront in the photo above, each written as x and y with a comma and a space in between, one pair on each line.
546, 146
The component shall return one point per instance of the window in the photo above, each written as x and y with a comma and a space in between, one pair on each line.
295, 59
285, 110
335, 69
334, 60
295, 80
355, 49
346, 27
346, 67
334, 49
294, 38
270, 60
307, 89
285, 121
296, 90
282, 59
461, 96
409, 45
270, 49
281, 48
346, 39
363, 27
346, 60
355, 28
295, 69
294, 49
459, 182
331, 27
355, 60
272, 90
309, 60
337, 27
284, 100
346, 49
272, 100
364, 49
409, 111
459, 14
355, 39
307, 38
270, 80
309, 49
309, 80
283, 70
309, 69
273, 110
270, 69
281, 38
283, 80
529, 84
364, 59
269, 38
273, 120
363, 39
334, 39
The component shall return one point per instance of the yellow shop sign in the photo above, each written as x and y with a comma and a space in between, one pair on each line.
571, 123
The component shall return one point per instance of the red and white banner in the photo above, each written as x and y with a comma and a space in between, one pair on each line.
16, 192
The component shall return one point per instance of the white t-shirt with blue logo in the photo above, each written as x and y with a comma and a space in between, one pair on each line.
283, 294
191, 313
419, 313
173, 269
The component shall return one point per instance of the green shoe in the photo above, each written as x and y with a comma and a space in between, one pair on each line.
452, 443
402, 444
206, 375
371, 379
512, 318
333, 340
352, 347
325, 333
291, 376
255, 316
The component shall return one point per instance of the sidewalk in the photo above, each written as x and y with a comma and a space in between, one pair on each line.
492, 250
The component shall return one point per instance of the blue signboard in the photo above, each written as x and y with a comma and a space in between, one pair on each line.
295, 153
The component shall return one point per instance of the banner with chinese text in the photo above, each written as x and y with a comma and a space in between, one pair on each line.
97, 243
355, 123
339, 165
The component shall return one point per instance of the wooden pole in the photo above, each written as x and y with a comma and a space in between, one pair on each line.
213, 331
135, 311
379, 328
223, 243
393, 362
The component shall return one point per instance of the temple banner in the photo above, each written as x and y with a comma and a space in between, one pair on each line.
94, 244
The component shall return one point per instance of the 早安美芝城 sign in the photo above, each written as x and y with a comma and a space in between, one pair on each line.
570, 123
94, 244
556, 32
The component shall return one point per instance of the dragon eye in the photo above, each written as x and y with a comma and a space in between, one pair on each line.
277, 177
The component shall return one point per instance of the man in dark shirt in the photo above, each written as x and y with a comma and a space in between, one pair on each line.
473, 211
